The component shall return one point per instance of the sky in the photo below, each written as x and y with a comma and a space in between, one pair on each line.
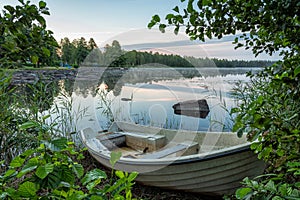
126, 21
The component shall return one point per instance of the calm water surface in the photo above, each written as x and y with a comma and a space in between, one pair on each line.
146, 96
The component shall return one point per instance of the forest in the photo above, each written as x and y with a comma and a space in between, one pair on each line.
79, 51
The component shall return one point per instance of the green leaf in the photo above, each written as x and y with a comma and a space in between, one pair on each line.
96, 197
42, 22
10, 172
297, 71
176, 9
78, 170
30, 166
206, 2
56, 144
29, 124
132, 176
34, 59
93, 184
162, 27
114, 157
43, 171
28, 153
17, 162
46, 51
151, 24
42, 4
242, 193
271, 186
120, 174
93, 175
10, 9
27, 189
169, 16
156, 18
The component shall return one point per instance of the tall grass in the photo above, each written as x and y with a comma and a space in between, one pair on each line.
31, 113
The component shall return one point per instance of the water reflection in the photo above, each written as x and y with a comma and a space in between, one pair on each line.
146, 96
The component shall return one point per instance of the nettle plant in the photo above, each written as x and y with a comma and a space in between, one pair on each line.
53, 171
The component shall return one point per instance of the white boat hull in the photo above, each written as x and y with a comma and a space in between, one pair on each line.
217, 172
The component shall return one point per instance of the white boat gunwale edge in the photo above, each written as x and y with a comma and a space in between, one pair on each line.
105, 153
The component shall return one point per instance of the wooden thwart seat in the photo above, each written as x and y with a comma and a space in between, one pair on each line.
181, 148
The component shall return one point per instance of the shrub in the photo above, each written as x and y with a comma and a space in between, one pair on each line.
269, 112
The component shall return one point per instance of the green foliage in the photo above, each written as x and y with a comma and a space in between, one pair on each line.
38, 165
264, 24
269, 112
269, 104
267, 190
75, 52
52, 171
24, 37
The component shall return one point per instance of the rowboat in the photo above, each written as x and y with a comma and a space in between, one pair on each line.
211, 163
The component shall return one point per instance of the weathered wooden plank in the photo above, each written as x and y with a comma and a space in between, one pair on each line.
191, 148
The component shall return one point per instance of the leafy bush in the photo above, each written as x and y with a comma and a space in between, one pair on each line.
269, 112
53, 171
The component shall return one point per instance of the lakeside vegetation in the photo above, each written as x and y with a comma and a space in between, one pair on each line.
269, 104
38, 161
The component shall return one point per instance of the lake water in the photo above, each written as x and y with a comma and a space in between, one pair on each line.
146, 96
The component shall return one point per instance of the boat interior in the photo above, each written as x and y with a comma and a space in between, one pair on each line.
165, 143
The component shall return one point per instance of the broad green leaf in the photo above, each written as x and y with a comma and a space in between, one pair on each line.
42, 4
30, 166
27, 189
114, 157
242, 193
156, 18
169, 16
78, 170
93, 184
120, 174
28, 153
56, 144
43, 171
283, 189
10, 172
293, 164
297, 71
42, 22
93, 175
67, 174
17, 162
10, 9
271, 186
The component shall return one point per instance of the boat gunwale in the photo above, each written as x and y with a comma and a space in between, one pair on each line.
205, 156
177, 160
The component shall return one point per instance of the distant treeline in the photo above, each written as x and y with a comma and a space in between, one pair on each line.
87, 53
135, 58
215, 62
